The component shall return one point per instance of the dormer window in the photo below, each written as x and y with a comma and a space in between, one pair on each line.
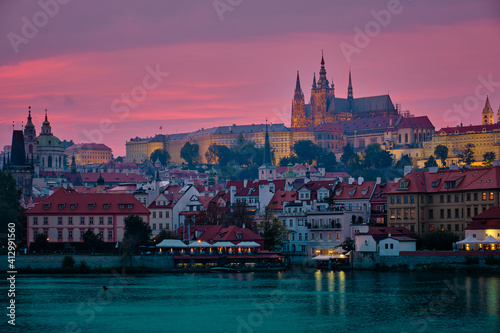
73, 206
436, 183
121, 206
404, 184
130, 206
105, 206
61, 206
91, 206
239, 235
46, 206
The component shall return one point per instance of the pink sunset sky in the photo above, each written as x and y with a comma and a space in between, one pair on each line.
235, 62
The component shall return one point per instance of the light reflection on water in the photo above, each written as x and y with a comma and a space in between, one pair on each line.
304, 301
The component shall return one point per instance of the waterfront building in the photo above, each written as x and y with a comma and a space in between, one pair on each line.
166, 208
65, 216
485, 225
386, 241
89, 153
442, 199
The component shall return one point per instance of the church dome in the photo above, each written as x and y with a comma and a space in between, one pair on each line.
48, 141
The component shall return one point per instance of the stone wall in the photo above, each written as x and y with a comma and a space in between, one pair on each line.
55, 261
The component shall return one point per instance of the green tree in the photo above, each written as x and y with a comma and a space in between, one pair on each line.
91, 240
307, 151
330, 162
431, 162
375, 157
287, 160
250, 172
438, 240
274, 232
165, 234
488, 158
349, 156
403, 161
349, 244
244, 152
137, 232
190, 153
225, 156
441, 152
161, 155
467, 156
211, 154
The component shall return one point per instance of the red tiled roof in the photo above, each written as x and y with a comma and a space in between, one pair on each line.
353, 191
68, 201
467, 179
465, 129
329, 128
216, 233
88, 146
491, 213
282, 196
113, 177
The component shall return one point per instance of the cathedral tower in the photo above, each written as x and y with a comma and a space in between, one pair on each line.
322, 96
488, 114
298, 106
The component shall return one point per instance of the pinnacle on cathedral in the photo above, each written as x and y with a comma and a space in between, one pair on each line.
297, 85
322, 81
349, 88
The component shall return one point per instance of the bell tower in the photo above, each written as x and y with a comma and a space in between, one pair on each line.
298, 106
488, 114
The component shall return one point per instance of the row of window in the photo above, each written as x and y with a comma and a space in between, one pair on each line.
160, 226
160, 214
444, 198
70, 234
69, 220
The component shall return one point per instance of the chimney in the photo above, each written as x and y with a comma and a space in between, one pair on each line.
379, 180
245, 182
232, 193
389, 235
360, 181
351, 180
433, 170
453, 167
407, 170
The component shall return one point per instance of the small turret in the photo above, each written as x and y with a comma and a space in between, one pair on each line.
488, 114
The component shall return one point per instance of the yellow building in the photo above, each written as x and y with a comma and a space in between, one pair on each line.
480, 138
90, 153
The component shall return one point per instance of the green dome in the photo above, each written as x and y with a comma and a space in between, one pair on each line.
48, 141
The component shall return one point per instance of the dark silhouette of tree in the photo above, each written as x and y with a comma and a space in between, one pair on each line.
375, 157
161, 155
348, 244
165, 234
330, 162
287, 160
488, 158
137, 233
274, 232
190, 153
431, 162
241, 216
441, 152
307, 151
40, 244
438, 240
349, 157
467, 156
91, 241
404, 161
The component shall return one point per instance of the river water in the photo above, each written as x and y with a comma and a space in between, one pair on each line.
292, 301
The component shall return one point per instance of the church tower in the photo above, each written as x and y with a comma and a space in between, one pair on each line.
30, 136
298, 107
267, 171
488, 114
350, 96
322, 96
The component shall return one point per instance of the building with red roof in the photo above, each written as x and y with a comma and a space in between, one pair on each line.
65, 215
442, 199
387, 241
485, 224
217, 233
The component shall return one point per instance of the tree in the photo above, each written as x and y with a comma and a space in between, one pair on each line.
330, 162
161, 155
376, 157
40, 244
307, 151
137, 233
190, 153
275, 233
467, 156
441, 152
438, 240
348, 244
241, 217
404, 161
165, 234
488, 158
225, 156
91, 240
431, 162
244, 152
349, 157
287, 160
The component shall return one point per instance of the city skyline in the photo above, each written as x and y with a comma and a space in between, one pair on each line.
236, 64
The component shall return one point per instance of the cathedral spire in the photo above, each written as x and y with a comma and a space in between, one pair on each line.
297, 85
314, 81
322, 81
349, 88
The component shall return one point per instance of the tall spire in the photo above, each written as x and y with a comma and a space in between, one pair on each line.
487, 113
314, 81
267, 149
322, 81
46, 115
349, 88
297, 85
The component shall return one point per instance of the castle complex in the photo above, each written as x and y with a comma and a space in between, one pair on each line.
324, 107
